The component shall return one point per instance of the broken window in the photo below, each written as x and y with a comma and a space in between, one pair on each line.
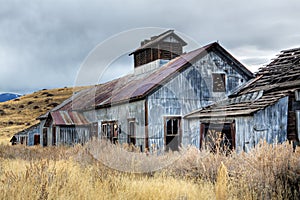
172, 133
219, 82
110, 131
131, 132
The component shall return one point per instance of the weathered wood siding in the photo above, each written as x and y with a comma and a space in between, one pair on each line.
31, 132
192, 136
188, 91
122, 113
269, 124
68, 135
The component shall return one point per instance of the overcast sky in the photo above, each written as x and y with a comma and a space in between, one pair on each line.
44, 43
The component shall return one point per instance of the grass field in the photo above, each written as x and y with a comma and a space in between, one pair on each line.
21, 113
267, 172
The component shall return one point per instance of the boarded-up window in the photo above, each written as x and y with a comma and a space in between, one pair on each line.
218, 82
131, 132
172, 133
110, 131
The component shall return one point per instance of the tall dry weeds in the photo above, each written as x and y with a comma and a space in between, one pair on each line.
266, 172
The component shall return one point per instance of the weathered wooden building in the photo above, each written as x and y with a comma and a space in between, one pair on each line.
146, 108
267, 107
29, 136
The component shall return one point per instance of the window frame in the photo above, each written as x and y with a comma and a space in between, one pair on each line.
111, 131
131, 135
179, 129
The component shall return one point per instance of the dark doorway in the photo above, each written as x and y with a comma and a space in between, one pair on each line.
172, 133
215, 135
36, 140
45, 138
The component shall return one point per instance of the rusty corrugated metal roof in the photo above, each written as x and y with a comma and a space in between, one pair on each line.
68, 118
131, 87
135, 87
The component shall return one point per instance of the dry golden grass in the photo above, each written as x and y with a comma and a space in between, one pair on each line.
21, 113
267, 172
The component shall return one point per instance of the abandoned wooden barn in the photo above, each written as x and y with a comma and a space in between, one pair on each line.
146, 108
29, 136
267, 107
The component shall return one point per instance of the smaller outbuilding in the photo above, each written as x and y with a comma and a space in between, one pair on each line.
29, 136
267, 107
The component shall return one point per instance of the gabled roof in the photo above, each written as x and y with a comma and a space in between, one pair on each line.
273, 82
135, 87
156, 39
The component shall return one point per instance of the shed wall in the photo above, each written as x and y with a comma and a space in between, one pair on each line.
269, 124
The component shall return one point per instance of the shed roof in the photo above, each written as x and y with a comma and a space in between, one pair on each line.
138, 86
68, 118
272, 82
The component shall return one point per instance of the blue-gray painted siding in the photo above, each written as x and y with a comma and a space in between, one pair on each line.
269, 124
188, 91
122, 113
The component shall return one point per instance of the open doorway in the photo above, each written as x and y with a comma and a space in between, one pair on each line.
172, 133
214, 135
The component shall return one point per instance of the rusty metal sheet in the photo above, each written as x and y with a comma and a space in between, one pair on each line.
68, 118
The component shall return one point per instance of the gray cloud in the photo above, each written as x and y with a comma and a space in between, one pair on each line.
43, 43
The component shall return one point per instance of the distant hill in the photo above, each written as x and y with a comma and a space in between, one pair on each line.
21, 113
8, 96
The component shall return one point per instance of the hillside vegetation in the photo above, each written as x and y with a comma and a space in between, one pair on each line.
21, 113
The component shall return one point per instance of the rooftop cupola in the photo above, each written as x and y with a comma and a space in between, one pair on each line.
165, 46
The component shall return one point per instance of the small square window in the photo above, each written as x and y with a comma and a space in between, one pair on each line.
219, 82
